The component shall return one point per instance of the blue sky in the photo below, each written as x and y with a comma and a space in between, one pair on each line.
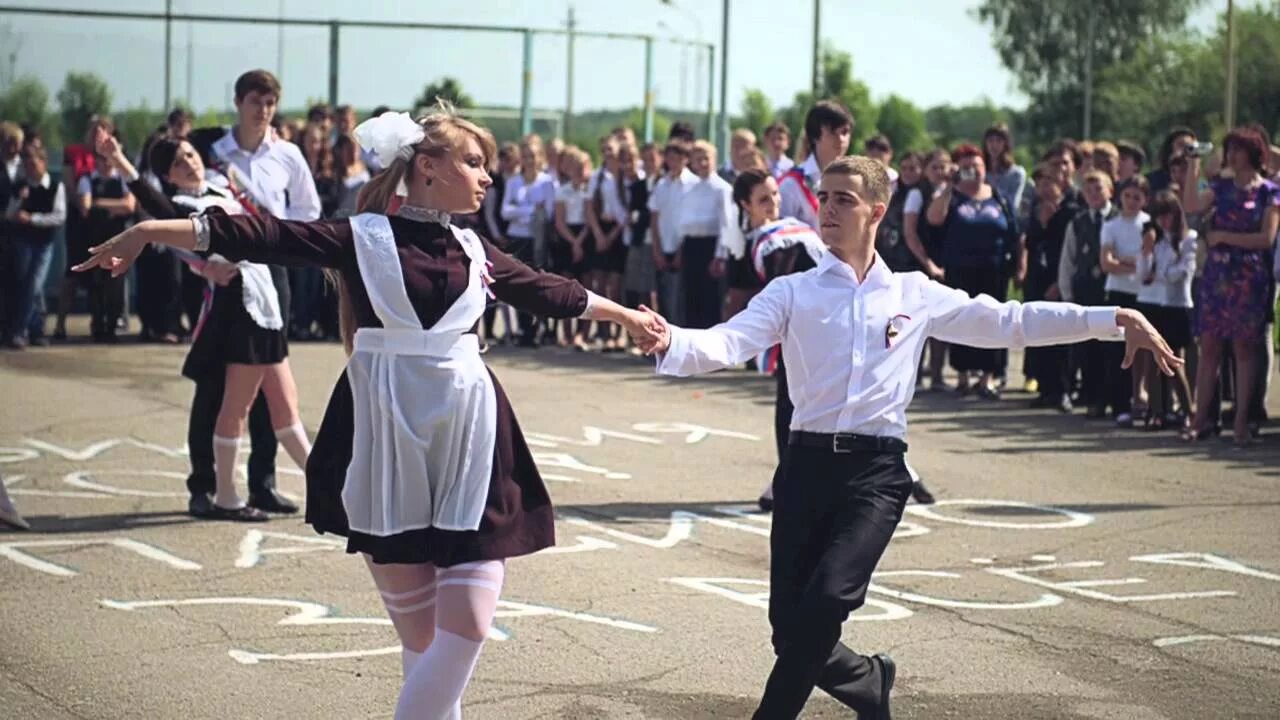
929, 51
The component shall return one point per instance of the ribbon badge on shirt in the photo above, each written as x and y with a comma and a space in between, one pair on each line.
486, 277
894, 328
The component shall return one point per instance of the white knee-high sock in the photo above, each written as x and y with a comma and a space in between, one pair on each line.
433, 690
225, 450
408, 658
294, 440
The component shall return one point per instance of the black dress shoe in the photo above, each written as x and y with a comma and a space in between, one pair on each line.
272, 502
245, 513
921, 494
888, 673
765, 503
200, 505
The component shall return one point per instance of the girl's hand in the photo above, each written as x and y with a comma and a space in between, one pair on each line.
106, 145
116, 254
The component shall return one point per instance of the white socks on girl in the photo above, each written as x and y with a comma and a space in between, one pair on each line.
294, 440
225, 450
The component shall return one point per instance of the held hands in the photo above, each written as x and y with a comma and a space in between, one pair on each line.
648, 330
220, 272
116, 254
1140, 335
717, 268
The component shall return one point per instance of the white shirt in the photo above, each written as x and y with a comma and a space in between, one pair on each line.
794, 201
666, 199
13, 168
853, 349
55, 217
1170, 284
781, 165
914, 203
574, 199
520, 203
1124, 237
705, 210
612, 209
275, 175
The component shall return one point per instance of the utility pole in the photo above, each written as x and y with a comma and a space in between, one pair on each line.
1088, 75
1229, 111
723, 139
168, 51
280, 41
817, 48
568, 102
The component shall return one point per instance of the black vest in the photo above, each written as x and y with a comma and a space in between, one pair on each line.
39, 200
1089, 283
891, 239
101, 225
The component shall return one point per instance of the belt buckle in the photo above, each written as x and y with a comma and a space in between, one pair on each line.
835, 445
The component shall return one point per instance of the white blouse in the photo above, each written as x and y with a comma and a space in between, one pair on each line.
1166, 275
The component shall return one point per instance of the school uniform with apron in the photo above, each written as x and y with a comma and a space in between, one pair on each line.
419, 458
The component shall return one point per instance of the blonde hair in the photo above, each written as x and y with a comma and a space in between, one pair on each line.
443, 130
875, 178
11, 131
1101, 177
743, 135
704, 146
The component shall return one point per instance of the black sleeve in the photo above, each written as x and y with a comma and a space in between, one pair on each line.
154, 202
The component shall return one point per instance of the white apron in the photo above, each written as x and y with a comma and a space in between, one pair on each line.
425, 406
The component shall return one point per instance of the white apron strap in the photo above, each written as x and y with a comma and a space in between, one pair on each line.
463, 314
380, 270
260, 297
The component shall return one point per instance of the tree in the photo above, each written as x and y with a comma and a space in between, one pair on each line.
904, 125
26, 102
82, 96
1043, 43
950, 125
757, 111
446, 89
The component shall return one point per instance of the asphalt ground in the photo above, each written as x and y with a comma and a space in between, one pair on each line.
1071, 569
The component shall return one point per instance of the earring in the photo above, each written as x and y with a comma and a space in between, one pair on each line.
428, 182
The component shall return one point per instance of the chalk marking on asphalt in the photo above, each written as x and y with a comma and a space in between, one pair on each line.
693, 434
716, 586
1045, 600
11, 550
982, 561
591, 437
569, 462
1081, 587
679, 529
81, 479
1072, 519
585, 543
1044, 558
251, 550
89, 452
17, 455
1207, 561
1262, 640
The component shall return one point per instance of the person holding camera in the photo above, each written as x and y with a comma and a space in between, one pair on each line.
980, 234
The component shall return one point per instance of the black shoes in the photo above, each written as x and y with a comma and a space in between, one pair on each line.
921, 494
200, 506
246, 513
765, 503
888, 673
272, 502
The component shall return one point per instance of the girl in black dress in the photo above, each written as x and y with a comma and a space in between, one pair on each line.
242, 332
419, 461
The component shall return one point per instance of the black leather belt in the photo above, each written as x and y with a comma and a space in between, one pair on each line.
841, 443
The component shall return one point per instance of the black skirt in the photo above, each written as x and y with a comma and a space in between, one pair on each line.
518, 518
560, 254
612, 259
228, 335
1174, 323
248, 343
742, 274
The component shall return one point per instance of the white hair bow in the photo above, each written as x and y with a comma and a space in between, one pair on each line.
389, 136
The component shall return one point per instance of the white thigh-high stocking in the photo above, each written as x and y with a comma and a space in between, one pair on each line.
467, 597
225, 450
294, 440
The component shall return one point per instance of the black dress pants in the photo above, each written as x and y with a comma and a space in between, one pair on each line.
521, 248
204, 415
833, 517
159, 293
701, 291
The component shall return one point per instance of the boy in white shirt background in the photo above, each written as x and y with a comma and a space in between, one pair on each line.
664, 224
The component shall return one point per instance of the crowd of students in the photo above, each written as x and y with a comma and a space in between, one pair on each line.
657, 224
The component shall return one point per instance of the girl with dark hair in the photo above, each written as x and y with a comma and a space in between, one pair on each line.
1005, 175
419, 461
1234, 290
1165, 269
241, 333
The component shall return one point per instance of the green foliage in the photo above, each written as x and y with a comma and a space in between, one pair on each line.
26, 102
904, 124
1043, 42
82, 96
757, 112
446, 88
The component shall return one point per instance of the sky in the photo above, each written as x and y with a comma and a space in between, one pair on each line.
770, 48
